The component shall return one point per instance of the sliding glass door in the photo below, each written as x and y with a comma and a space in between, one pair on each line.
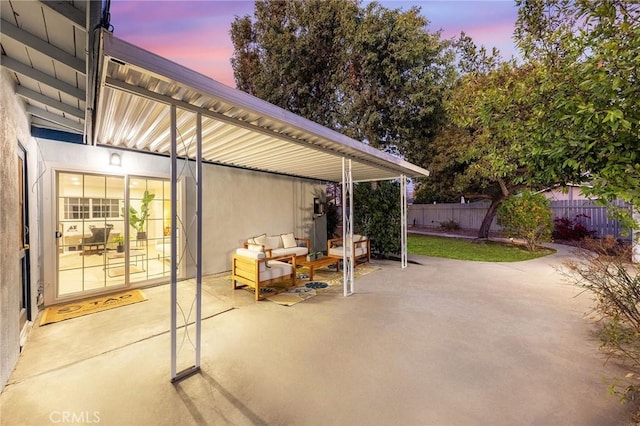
89, 224
113, 231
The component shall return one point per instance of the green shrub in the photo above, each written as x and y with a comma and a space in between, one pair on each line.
526, 216
449, 225
377, 215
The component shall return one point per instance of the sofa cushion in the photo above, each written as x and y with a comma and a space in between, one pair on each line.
273, 242
258, 248
289, 240
293, 251
252, 240
276, 269
251, 254
338, 251
261, 239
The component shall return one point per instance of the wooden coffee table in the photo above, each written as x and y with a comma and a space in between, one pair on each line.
318, 263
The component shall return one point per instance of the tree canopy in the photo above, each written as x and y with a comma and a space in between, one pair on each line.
372, 73
591, 124
485, 150
569, 111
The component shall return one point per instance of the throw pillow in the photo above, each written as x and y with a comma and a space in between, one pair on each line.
255, 248
289, 240
273, 242
262, 240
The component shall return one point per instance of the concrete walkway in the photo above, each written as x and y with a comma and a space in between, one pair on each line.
441, 343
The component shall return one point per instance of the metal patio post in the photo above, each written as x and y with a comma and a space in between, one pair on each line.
199, 240
403, 220
347, 227
175, 375
174, 250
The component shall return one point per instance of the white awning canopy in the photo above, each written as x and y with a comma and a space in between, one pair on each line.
133, 111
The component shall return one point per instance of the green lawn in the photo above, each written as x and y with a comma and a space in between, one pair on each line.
464, 249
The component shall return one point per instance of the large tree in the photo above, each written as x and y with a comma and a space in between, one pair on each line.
591, 124
372, 73
569, 112
485, 150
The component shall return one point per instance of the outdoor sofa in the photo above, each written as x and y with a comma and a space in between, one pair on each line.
280, 246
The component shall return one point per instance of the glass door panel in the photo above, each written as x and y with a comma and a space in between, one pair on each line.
150, 221
89, 218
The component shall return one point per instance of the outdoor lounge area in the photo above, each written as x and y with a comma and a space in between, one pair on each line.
488, 343
161, 260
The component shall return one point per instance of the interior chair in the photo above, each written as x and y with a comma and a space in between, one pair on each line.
98, 238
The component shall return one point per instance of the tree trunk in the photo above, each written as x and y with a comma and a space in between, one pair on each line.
488, 218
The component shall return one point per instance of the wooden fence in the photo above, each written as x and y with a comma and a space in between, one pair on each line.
469, 216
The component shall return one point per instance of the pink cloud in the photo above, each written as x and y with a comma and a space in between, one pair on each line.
192, 33
196, 33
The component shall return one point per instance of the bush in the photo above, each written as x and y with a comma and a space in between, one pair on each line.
449, 225
377, 215
602, 268
526, 216
571, 230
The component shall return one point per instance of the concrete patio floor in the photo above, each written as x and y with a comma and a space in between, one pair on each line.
442, 343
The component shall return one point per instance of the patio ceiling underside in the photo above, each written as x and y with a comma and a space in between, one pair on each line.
239, 130
47, 51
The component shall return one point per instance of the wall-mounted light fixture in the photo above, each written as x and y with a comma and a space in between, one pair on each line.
115, 159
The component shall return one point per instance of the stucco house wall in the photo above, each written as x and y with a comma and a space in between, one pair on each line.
240, 204
14, 130
237, 203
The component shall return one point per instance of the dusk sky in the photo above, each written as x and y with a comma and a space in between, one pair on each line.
196, 33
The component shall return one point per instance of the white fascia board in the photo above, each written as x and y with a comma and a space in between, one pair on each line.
164, 69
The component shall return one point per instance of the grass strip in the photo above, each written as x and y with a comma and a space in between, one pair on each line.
467, 249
